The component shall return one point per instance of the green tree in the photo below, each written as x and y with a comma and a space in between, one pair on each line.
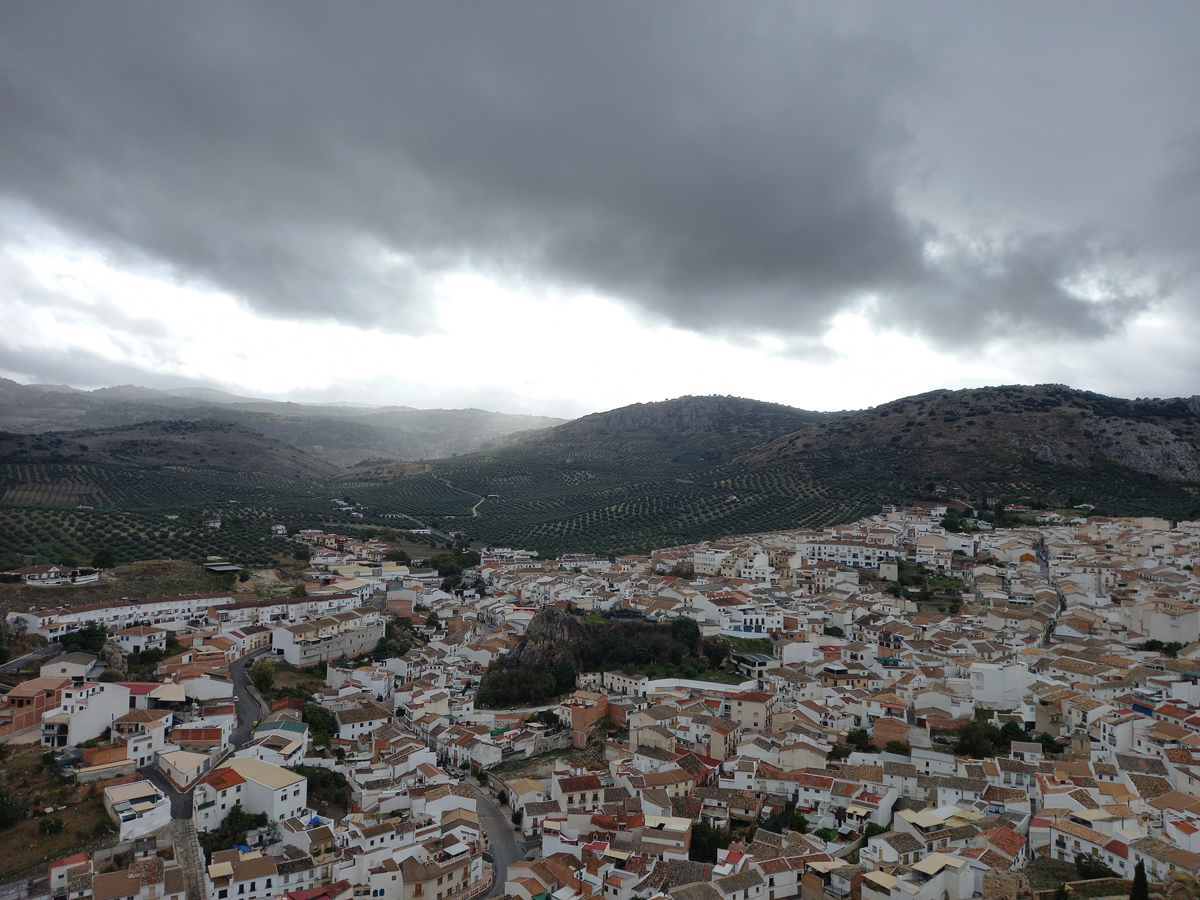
858, 738
262, 673
50, 826
319, 719
564, 676
10, 812
714, 651
979, 740
897, 747
104, 559
86, 640
798, 822
299, 590
1049, 744
706, 841
244, 576
686, 631
834, 631
232, 830
431, 620
1141, 888
1089, 867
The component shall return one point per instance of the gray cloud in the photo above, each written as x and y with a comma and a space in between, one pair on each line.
724, 168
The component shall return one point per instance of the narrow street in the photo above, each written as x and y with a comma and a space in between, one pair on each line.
505, 848
248, 709
14, 665
181, 801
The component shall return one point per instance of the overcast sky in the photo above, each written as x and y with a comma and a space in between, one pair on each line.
564, 207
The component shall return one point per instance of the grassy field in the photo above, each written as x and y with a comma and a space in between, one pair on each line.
749, 645
669, 671
37, 788
1046, 874
288, 676
144, 579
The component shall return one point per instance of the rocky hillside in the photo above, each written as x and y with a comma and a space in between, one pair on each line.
658, 474
989, 434
552, 635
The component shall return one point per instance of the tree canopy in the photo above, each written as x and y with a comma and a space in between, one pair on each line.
686, 632
262, 673
1141, 887
90, 639
319, 720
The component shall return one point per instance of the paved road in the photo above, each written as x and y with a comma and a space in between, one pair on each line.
502, 839
14, 665
181, 801
248, 710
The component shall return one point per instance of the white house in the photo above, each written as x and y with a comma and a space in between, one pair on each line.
140, 638
86, 710
138, 808
258, 786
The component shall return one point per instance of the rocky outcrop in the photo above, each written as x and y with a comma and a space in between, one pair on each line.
550, 636
1144, 447
998, 885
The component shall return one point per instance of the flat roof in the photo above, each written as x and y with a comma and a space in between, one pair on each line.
135, 790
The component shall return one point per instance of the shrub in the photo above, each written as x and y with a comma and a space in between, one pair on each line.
50, 826
10, 812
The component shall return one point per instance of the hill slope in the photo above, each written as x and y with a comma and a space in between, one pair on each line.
677, 472
205, 445
1046, 439
340, 434
641, 476
617, 480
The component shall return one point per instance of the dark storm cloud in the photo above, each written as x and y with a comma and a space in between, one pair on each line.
726, 168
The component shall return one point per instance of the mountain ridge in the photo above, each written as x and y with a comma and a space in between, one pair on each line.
655, 474
340, 434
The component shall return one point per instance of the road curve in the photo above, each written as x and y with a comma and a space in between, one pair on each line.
503, 843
